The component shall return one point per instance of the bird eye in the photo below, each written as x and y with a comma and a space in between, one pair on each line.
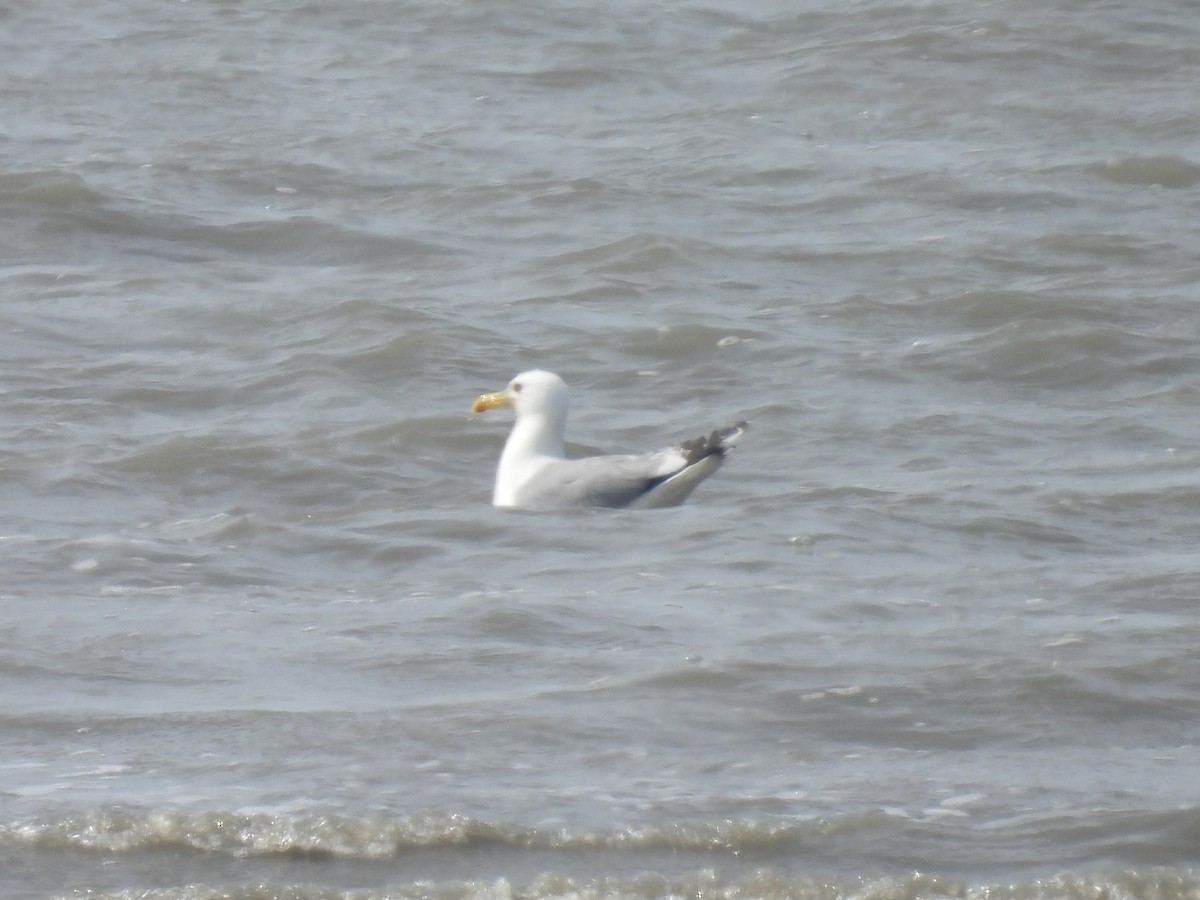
516, 386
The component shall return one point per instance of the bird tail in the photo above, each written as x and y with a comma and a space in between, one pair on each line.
718, 443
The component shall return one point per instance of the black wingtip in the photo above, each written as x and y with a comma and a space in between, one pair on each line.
719, 442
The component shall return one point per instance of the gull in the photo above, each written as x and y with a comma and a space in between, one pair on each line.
534, 472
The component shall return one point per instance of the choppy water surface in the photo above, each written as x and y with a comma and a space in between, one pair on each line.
931, 632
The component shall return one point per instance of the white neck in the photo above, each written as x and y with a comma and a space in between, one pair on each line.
534, 437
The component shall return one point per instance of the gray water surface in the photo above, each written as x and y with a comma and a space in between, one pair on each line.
930, 632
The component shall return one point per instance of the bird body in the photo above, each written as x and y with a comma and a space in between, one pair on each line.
534, 472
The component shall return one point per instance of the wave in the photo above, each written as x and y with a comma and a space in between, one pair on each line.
1149, 171
243, 834
53, 209
309, 856
265, 833
765, 884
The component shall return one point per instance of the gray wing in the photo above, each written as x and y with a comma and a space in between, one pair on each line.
663, 478
593, 481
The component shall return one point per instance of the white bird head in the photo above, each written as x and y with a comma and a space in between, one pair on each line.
532, 393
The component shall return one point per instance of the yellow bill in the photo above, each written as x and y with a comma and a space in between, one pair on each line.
485, 402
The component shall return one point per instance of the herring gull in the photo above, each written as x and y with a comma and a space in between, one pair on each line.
534, 472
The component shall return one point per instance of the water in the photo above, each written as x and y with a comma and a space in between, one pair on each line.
930, 632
